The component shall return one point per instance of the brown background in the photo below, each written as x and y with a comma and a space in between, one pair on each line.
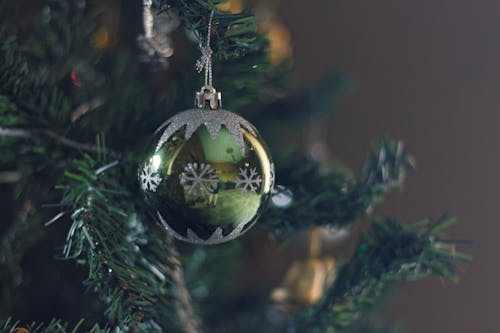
426, 72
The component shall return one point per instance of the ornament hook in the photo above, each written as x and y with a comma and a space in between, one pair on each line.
208, 98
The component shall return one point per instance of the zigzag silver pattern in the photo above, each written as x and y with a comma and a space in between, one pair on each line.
212, 119
215, 238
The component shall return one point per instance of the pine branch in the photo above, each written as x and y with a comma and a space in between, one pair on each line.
54, 326
316, 101
30, 102
31, 97
385, 168
29, 133
388, 253
127, 262
183, 303
368, 326
235, 34
18, 238
60, 39
211, 273
334, 199
243, 67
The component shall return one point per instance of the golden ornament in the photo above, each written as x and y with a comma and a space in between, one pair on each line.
232, 6
20, 330
280, 46
306, 280
210, 175
100, 39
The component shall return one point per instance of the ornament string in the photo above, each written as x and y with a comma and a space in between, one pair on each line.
205, 61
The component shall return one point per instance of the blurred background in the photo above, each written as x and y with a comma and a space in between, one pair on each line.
426, 72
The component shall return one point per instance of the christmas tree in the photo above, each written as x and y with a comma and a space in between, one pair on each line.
83, 87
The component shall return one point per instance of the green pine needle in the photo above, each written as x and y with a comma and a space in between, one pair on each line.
388, 253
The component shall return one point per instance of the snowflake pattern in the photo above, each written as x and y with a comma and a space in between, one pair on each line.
199, 179
149, 179
248, 180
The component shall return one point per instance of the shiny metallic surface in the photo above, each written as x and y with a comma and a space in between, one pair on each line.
208, 181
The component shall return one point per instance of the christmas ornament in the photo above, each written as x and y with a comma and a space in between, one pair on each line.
106, 34
232, 6
20, 330
282, 197
306, 280
155, 43
210, 174
278, 35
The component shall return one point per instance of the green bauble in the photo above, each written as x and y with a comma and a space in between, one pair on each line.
209, 177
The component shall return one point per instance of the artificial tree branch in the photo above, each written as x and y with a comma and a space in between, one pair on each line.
29, 133
85, 108
183, 304
388, 253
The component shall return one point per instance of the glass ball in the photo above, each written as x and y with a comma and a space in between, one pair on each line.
209, 177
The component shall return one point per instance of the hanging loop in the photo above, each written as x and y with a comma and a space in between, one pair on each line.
207, 97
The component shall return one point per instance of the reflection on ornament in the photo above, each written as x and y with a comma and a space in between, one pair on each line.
155, 162
232, 6
282, 197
